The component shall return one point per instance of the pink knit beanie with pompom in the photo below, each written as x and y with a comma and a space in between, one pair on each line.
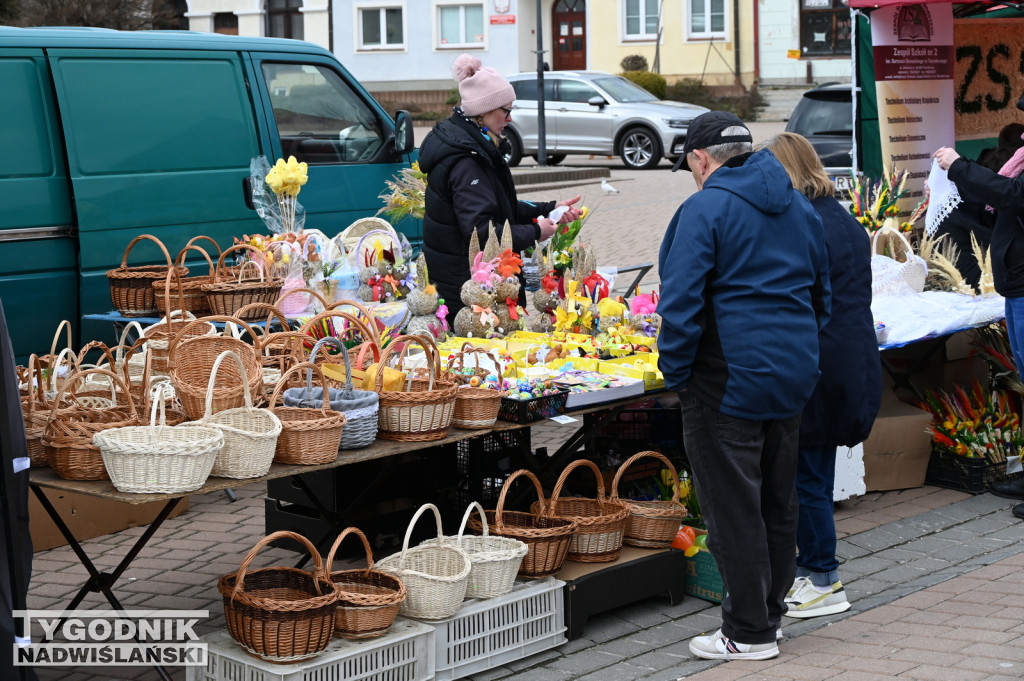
481, 88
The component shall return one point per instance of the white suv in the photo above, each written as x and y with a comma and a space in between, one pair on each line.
593, 112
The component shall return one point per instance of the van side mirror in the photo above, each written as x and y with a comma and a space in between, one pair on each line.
598, 101
404, 139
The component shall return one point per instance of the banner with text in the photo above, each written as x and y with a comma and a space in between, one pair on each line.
988, 75
913, 51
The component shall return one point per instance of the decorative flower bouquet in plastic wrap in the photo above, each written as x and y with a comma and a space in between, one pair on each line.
874, 202
974, 423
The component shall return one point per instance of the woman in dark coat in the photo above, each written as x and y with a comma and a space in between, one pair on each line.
469, 184
845, 401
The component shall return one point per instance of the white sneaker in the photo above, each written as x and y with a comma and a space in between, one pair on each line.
810, 601
718, 647
797, 583
778, 634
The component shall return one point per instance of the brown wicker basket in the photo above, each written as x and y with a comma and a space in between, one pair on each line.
280, 614
424, 410
36, 410
299, 309
189, 295
227, 294
547, 538
651, 524
191, 362
69, 429
601, 523
476, 408
131, 288
308, 436
368, 599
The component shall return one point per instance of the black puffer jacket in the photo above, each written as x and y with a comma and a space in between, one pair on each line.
469, 186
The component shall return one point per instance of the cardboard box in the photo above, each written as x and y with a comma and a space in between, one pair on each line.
897, 451
702, 579
88, 517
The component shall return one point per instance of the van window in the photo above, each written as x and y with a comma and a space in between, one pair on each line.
320, 119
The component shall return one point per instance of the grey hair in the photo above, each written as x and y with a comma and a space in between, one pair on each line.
723, 152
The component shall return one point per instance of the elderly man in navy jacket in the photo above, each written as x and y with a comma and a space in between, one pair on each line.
745, 291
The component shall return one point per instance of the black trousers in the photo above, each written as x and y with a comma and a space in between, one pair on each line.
745, 473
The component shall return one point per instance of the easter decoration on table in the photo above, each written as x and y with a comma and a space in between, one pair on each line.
643, 309
279, 208
573, 315
547, 298
478, 318
427, 309
511, 316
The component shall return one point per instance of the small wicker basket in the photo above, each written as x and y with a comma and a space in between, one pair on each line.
601, 523
280, 614
651, 524
435, 575
227, 294
476, 408
309, 436
131, 288
189, 295
368, 599
422, 412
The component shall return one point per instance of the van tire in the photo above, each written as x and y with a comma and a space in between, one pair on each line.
640, 148
515, 154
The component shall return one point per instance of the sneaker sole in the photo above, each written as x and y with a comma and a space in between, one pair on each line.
761, 655
818, 612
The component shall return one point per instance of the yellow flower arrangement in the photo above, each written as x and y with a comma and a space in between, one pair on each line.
286, 179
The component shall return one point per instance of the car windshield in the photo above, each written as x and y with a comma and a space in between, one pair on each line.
624, 91
822, 117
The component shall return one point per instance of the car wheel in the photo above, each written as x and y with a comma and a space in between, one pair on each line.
553, 159
515, 154
640, 149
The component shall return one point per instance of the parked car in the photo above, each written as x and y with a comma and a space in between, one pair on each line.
593, 112
824, 115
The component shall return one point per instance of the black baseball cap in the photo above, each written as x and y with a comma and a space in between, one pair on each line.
706, 131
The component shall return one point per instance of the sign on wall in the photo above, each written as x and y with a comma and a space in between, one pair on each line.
989, 75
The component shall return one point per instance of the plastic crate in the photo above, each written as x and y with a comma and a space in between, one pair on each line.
974, 476
490, 632
484, 462
527, 411
405, 653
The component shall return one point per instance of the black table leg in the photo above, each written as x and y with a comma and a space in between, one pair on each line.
101, 582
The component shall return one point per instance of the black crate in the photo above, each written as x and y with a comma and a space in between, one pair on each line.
527, 411
640, 429
974, 476
484, 462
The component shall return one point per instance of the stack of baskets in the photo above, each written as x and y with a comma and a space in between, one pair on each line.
131, 288
368, 599
651, 524
189, 295
424, 410
228, 293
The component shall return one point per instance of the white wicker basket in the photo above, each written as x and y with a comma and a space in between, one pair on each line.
250, 434
891, 276
158, 458
435, 575
494, 560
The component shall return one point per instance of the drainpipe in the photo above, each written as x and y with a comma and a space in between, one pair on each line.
757, 42
736, 40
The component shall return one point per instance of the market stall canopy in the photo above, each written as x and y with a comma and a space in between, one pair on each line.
961, 9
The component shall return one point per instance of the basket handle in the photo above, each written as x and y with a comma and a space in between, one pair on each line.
163, 249
116, 383
178, 337
208, 411
272, 311
180, 260
318, 561
363, 349
194, 239
241, 271
158, 401
636, 457
295, 368
65, 324
336, 344
55, 367
119, 350
102, 347
237, 247
473, 505
302, 289
412, 523
35, 382
587, 463
370, 321
404, 340
499, 525
375, 233
356, 532
365, 329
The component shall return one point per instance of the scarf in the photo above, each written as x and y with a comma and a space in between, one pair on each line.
1011, 168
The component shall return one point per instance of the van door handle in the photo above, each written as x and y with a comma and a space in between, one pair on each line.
247, 193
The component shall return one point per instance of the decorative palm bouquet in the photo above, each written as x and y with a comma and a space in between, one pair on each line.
874, 203
993, 346
405, 194
974, 424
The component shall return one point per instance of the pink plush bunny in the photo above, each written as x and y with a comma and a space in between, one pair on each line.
643, 304
484, 270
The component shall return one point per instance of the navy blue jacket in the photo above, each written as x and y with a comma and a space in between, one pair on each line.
744, 292
845, 401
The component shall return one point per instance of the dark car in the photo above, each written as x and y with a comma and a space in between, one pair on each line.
824, 116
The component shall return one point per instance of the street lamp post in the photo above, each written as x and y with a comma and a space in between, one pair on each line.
542, 152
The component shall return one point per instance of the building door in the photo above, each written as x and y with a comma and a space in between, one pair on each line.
569, 23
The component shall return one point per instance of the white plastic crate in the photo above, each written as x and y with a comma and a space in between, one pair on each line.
405, 653
489, 632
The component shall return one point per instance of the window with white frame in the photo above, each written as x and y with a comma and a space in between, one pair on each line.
460, 24
706, 18
381, 27
641, 19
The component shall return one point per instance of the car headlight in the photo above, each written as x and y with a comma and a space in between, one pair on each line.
676, 123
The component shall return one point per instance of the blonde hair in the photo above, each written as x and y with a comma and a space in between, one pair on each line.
802, 164
479, 120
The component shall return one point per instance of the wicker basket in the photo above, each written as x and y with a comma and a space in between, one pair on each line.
476, 408
495, 560
191, 362
70, 428
601, 523
435, 575
131, 288
422, 412
651, 524
547, 539
228, 294
189, 295
158, 458
292, 302
366, 327
309, 436
250, 434
36, 410
360, 407
280, 614
159, 336
368, 599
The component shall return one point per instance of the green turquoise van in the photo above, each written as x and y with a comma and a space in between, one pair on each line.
109, 134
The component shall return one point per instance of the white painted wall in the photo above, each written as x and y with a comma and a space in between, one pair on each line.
778, 32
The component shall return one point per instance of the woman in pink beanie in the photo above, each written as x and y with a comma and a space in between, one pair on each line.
469, 184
